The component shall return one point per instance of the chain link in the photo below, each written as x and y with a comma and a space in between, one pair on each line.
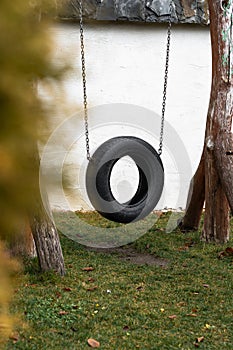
165, 81
85, 107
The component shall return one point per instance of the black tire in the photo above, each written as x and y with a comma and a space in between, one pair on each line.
151, 179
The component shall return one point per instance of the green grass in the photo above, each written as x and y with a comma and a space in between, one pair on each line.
196, 286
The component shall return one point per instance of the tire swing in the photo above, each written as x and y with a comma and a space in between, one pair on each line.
146, 158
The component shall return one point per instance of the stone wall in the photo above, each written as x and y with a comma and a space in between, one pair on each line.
183, 11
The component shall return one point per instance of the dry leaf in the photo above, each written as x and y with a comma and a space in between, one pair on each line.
206, 285
200, 340
62, 312
183, 249
91, 279
67, 289
58, 294
14, 336
93, 343
92, 288
172, 317
140, 288
88, 268
227, 252
181, 303
192, 315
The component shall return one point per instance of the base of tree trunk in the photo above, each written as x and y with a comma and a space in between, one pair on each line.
46, 239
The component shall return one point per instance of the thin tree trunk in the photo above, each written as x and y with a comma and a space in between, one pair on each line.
216, 221
43, 229
46, 239
215, 176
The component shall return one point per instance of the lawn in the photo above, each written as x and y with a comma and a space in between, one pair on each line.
181, 300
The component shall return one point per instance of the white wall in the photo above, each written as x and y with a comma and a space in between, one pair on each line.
125, 64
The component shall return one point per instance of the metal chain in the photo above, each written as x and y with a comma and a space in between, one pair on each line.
165, 81
85, 108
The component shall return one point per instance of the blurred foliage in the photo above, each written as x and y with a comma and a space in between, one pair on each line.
8, 269
25, 56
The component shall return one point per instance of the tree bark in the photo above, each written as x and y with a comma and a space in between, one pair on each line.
224, 160
46, 239
214, 173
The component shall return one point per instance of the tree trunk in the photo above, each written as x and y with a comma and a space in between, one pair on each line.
43, 229
22, 242
46, 239
214, 175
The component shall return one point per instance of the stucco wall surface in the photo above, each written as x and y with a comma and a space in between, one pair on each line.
125, 72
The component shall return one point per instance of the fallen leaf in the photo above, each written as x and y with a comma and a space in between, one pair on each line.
183, 249
62, 312
200, 340
91, 279
93, 343
140, 288
227, 252
172, 317
192, 315
181, 303
125, 328
206, 285
89, 268
58, 294
67, 289
92, 288
14, 336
